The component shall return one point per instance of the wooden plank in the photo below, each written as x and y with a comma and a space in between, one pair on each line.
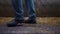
40, 20
29, 28
42, 28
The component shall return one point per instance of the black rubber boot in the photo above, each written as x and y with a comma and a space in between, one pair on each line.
14, 23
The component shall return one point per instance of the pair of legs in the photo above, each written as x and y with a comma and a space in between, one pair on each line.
19, 12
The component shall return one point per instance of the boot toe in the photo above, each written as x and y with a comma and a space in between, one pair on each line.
11, 24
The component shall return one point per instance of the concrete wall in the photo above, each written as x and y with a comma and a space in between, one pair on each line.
43, 8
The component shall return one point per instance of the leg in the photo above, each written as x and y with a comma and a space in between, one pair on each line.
18, 13
31, 10
18, 9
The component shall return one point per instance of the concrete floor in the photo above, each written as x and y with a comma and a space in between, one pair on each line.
45, 25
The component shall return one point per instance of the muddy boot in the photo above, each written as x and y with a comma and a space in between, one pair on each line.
14, 23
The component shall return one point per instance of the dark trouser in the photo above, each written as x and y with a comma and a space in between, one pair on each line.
19, 12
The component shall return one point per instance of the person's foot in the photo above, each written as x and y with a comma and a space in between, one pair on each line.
13, 23
30, 21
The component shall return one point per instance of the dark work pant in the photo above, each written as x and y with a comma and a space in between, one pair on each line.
19, 12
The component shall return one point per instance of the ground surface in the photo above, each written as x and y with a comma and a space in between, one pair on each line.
43, 26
